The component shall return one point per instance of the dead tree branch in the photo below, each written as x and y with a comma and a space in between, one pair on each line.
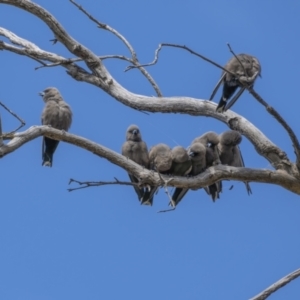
142, 103
15, 115
134, 60
277, 285
151, 178
182, 47
86, 184
282, 122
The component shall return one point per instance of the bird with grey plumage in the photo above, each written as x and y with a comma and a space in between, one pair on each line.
241, 66
57, 114
197, 154
160, 160
136, 149
211, 140
230, 153
181, 162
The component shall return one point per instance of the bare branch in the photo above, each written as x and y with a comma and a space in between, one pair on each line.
148, 177
134, 60
91, 60
86, 184
277, 285
72, 60
15, 115
182, 47
167, 105
1, 138
281, 121
231, 51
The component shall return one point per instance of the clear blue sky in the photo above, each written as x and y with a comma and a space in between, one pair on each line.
99, 243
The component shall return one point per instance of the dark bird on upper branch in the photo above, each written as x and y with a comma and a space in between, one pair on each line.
136, 149
57, 114
245, 68
230, 153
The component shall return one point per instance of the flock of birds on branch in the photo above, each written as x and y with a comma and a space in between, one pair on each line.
208, 150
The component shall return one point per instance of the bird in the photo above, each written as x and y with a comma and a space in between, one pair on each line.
136, 149
242, 65
181, 162
211, 140
57, 114
197, 154
230, 153
160, 160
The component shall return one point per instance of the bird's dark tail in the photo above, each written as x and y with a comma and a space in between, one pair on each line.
177, 196
221, 106
49, 147
148, 196
214, 190
249, 191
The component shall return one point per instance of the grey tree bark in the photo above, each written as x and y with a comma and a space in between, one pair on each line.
285, 174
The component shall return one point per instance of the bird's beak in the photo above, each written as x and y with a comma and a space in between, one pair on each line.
191, 154
134, 132
42, 94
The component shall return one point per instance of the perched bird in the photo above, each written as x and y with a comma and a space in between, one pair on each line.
242, 65
57, 113
197, 153
136, 149
211, 140
160, 160
181, 162
230, 153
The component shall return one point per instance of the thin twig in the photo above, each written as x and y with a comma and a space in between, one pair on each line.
127, 44
277, 285
87, 184
284, 124
166, 210
230, 49
72, 60
1, 138
170, 199
16, 116
182, 47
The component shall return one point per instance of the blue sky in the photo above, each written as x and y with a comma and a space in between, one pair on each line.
99, 243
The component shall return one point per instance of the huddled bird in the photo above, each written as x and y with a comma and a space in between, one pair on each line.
160, 160
57, 114
197, 154
136, 149
211, 141
181, 162
207, 150
241, 65
230, 153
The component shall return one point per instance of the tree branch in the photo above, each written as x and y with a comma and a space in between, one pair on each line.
14, 115
134, 59
143, 103
282, 122
148, 177
86, 184
277, 285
